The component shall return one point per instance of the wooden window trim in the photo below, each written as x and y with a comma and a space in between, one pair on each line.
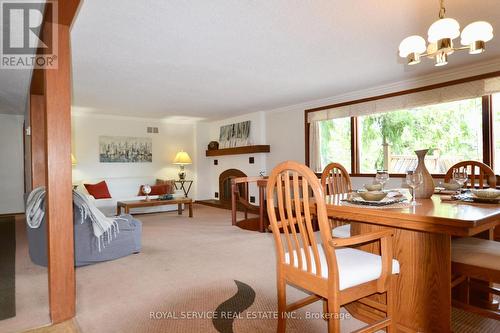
487, 124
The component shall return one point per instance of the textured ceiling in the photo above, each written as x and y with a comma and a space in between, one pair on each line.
219, 58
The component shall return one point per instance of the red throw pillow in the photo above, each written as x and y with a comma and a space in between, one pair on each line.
170, 185
156, 190
99, 190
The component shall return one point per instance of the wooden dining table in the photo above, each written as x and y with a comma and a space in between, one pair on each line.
422, 245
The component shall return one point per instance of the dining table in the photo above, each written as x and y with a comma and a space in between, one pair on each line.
422, 245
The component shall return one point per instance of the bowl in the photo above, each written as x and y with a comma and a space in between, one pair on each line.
372, 195
486, 193
373, 187
451, 186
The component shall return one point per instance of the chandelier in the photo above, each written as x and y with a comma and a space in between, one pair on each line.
440, 37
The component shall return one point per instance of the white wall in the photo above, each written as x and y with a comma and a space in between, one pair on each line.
172, 137
11, 164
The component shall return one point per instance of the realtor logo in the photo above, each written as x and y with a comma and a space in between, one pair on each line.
24, 45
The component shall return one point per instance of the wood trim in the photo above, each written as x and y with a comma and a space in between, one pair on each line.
354, 145
487, 123
307, 129
239, 150
407, 91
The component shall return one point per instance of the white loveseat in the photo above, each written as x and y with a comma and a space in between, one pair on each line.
126, 189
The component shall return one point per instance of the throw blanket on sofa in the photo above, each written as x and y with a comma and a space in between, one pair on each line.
104, 227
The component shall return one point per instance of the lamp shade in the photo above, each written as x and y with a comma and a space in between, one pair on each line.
182, 158
443, 28
411, 44
73, 160
477, 31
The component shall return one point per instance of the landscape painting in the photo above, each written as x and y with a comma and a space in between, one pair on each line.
124, 149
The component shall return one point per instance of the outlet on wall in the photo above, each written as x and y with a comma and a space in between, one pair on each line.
216, 194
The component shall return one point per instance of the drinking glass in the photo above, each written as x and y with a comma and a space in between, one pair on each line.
460, 176
382, 177
414, 180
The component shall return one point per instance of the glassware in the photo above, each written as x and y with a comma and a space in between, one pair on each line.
146, 189
382, 177
460, 176
414, 180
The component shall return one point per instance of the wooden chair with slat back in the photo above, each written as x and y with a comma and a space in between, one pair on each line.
328, 268
336, 180
478, 172
474, 258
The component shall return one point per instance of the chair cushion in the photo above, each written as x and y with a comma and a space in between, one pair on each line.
355, 266
476, 252
343, 231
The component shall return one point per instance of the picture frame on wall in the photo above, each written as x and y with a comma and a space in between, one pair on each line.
124, 149
234, 135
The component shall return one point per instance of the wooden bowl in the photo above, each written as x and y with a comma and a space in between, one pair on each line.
373, 187
451, 186
372, 195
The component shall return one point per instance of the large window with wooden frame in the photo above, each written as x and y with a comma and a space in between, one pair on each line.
453, 130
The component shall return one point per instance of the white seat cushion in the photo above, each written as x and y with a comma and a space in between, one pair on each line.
355, 266
343, 231
476, 252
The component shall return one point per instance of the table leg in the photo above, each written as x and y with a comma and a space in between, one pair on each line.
127, 210
423, 287
179, 209
190, 209
118, 210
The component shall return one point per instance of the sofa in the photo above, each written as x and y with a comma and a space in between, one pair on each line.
126, 189
126, 242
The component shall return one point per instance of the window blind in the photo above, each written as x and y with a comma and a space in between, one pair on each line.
446, 94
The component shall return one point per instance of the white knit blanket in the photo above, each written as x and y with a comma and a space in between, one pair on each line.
105, 228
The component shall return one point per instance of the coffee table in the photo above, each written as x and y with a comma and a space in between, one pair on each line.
127, 205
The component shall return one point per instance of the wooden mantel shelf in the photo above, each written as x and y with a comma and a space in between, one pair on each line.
239, 150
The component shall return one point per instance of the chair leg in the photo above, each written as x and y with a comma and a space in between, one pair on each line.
390, 312
281, 306
333, 316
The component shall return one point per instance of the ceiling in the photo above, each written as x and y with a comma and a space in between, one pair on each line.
219, 58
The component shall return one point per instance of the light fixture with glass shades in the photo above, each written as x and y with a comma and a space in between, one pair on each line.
182, 158
440, 37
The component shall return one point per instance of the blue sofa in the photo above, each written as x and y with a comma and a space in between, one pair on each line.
127, 241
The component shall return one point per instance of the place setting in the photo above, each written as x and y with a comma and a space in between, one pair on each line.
376, 196
454, 190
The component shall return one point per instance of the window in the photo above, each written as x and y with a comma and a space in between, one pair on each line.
451, 131
335, 142
496, 130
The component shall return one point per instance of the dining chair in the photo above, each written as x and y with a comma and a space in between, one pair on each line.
336, 180
473, 257
477, 171
330, 270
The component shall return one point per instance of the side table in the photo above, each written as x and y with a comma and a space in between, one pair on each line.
182, 186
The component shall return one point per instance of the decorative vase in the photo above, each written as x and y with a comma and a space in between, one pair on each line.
426, 189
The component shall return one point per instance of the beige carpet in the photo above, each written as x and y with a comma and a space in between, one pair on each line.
187, 267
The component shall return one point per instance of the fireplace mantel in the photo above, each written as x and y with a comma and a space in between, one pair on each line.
239, 150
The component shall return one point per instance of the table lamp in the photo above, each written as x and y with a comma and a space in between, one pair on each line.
182, 158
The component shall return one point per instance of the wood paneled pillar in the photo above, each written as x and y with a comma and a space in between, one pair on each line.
37, 124
59, 210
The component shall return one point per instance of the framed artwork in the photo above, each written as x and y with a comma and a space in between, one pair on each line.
125, 149
234, 135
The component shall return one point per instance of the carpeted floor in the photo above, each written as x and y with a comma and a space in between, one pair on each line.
189, 268
7, 267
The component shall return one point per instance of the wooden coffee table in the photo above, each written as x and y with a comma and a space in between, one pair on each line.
127, 205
